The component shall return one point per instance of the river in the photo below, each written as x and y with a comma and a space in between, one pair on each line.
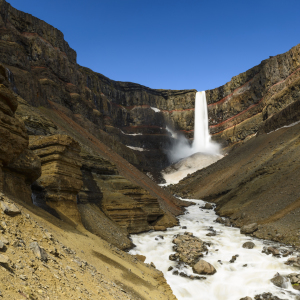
232, 280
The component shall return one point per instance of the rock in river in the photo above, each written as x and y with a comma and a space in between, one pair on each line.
204, 268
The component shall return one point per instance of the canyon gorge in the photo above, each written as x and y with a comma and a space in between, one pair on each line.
81, 157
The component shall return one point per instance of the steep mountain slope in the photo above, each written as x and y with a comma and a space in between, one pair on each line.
55, 99
258, 181
43, 258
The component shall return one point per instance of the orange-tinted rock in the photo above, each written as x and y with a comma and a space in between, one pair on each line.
18, 165
61, 178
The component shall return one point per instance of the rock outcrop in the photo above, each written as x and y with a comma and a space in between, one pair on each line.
238, 108
56, 96
111, 206
61, 178
18, 165
43, 68
189, 249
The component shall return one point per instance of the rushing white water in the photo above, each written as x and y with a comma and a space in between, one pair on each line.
232, 280
187, 158
202, 140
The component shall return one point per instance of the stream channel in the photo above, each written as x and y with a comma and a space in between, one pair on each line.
232, 280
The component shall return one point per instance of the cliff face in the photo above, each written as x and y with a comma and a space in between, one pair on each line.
43, 68
18, 165
238, 108
70, 112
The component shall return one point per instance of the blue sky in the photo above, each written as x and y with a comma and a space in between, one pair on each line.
179, 44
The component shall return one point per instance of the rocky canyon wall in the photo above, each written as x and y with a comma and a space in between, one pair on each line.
18, 165
43, 69
238, 108
87, 173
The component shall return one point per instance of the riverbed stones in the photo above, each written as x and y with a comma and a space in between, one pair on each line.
233, 258
248, 245
279, 280
202, 267
208, 206
189, 249
293, 261
213, 233
295, 280
250, 228
220, 220
266, 296
273, 251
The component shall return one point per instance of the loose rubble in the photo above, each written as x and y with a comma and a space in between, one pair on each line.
34, 264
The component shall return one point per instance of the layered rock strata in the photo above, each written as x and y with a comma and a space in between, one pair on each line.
61, 178
99, 160
107, 209
18, 165
127, 204
43, 68
238, 108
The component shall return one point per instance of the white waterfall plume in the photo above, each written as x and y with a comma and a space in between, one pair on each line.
202, 141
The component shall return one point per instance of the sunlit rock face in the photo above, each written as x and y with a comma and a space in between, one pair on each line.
239, 107
61, 178
18, 165
45, 71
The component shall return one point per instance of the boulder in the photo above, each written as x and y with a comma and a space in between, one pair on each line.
204, 268
248, 245
188, 248
250, 228
4, 260
140, 257
9, 208
279, 281
39, 252
208, 206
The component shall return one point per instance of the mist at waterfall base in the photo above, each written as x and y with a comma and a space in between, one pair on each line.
189, 157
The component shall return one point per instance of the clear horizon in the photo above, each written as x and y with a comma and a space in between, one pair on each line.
171, 44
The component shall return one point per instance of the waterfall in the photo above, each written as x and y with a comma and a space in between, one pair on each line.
201, 132
182, 148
